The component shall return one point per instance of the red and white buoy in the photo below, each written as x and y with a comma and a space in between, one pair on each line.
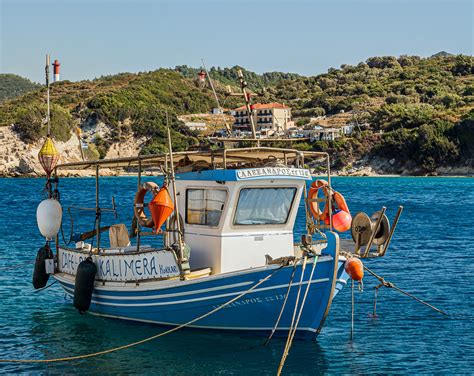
56, 66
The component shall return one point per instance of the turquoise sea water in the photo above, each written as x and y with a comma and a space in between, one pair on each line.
431, 256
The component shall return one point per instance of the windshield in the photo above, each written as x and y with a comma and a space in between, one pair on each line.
263, 206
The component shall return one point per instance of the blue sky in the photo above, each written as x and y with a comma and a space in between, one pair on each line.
94, 38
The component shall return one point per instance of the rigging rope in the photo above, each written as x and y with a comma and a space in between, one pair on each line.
283, 305
385, 283
292, 333
174, 329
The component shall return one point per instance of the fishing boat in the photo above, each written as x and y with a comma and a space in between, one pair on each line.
226, 259
230, 227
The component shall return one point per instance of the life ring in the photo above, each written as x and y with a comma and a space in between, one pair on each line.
339, 202
138, 203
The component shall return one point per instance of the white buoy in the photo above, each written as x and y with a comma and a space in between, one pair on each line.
49, 215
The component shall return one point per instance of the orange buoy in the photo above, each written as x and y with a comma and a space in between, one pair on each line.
161, 207
355, 268
341, 221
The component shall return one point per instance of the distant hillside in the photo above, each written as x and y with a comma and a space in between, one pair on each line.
12, 86
442, 54
419, 111
122, 106
229, 76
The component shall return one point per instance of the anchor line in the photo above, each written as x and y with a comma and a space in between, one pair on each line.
293, 330
169, 331
44, 288
290, 283
16, 266
391, 285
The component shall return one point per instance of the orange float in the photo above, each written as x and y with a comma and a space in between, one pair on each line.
355, 268
341, 221
161, 207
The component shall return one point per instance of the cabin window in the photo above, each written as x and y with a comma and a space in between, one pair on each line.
205, 206
264, 206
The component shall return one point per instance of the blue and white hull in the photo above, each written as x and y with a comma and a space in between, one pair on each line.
175, 302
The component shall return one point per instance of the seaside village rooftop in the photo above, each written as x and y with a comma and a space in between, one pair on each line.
272, 120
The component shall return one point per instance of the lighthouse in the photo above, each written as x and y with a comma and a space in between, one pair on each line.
202, 78
56, 66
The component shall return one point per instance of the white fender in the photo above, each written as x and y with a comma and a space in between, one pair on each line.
49, 215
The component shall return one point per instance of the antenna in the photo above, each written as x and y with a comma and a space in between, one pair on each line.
46, 70
215, 96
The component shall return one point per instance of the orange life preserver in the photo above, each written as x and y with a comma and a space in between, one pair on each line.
339, 202
138, 203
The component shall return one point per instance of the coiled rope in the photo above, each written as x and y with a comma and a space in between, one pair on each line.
174, 329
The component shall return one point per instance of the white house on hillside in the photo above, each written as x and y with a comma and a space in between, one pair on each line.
268, 118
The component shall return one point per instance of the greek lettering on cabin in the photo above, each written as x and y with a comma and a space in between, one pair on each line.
272, 171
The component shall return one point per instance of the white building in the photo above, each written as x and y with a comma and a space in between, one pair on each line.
268, 118
194, 126
319, 133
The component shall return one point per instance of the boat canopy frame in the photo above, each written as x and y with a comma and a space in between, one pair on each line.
248, 157
217, 159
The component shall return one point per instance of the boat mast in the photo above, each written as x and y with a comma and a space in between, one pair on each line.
215, 96
175, 197
243, 86
46, 69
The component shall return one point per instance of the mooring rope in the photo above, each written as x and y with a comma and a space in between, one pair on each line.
44, 288
385, 283
16, 266
123, 347
290, 283
292, 334
296, 301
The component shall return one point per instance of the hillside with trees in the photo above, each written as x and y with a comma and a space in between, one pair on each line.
417, 112
12, 86
127, 105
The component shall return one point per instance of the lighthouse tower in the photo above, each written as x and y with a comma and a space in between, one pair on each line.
56, 66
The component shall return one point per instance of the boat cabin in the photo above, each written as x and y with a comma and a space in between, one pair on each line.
234, 218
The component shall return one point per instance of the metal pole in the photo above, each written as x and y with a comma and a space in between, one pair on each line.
352, 313
97, 207
243, 86
48, 62
330, 192
217, 99
374, 232
175, 196
392, 230
139, 184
